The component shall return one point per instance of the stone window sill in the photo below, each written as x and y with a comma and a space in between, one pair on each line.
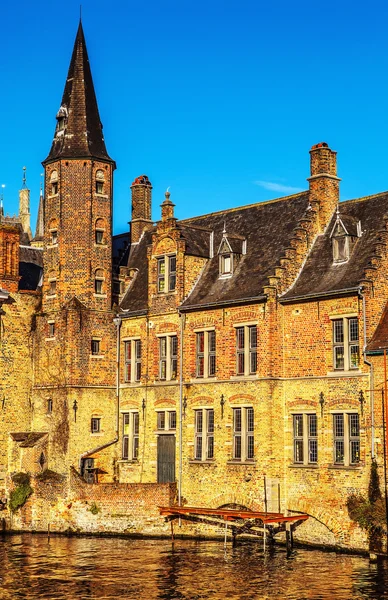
100, 295
300, 466
128, 461
97, 356
165, 382
244, 377
357, 467
50, 339
102, 195
203, 379
241, 462
51, 296
193, 461
352, 373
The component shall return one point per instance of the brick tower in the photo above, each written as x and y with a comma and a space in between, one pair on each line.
78, 196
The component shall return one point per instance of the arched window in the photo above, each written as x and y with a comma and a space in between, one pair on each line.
98, 281
54, 183
100, 231
100, 179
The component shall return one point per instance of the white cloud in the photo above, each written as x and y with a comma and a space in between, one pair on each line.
278, 187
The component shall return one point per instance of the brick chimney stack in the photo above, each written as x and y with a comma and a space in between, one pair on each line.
324, 183
141, 207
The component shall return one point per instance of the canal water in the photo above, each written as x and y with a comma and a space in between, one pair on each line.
31, 566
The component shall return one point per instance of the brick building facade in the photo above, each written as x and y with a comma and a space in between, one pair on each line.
239, 353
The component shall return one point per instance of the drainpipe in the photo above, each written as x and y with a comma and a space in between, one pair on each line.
117, 321
370, 365
182, 323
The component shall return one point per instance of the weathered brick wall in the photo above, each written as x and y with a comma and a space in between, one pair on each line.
74, 506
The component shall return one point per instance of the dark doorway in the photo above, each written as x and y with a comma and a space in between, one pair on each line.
166, 458
87, 470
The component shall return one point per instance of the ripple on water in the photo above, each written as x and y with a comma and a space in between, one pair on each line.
80, 568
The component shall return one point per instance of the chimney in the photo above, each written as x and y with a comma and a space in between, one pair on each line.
167, 208
24, 209
141, 207
9, 256
324, 183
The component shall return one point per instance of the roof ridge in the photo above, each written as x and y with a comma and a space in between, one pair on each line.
233, 209
363, 198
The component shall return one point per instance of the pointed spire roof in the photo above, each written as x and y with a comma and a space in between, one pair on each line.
39, 231
78, 133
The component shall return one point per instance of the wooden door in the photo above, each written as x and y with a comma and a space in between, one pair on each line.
166, 458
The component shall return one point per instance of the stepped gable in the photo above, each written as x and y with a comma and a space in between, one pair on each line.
267, 228
30, 267
379, 341
320, 275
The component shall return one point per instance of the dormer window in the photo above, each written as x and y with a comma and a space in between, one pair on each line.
344, 234
226, 264
61, 119
225, 257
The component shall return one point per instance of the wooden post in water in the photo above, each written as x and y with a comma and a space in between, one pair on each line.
288, 539
172, 530
265, 494
278, 497
3, 525
48, 530
226, 533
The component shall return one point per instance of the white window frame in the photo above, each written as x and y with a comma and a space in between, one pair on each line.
97, 341
167, 359
247, 352
204, 434
351, 443
208, 355
168, 276
305, 438
346, 343
166, 420
224, 271
95, 425
51, 328
132, 365
243, 434
130, 438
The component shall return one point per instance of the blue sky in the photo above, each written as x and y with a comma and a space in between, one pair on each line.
219, 100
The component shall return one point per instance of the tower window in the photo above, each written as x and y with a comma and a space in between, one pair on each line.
96, 425
100, 178
53, 287
99, 236
98, 281
99, 231
54, 237
95, 347
54, 183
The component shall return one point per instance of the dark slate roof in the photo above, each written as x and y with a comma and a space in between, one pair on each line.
136, 297
82, 136
197, 239
267, 227
319, 274
120, 250
379, 340
27, 439
30, 267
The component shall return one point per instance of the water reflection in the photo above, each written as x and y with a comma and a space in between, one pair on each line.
33, 567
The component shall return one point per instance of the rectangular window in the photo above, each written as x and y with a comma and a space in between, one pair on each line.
345, 344
54, 237
130, 449
204, 434
132, 356
98, 286
166, 420
246, 350
166, 273
346, 437
49, 406
168, 357
243, 434
54, 188
205, 354
99, 187
99, 236
53, 287
51, 329
95, 347
96, 425
305, 439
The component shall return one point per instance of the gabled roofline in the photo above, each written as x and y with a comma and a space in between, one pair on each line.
317, 295
252, 300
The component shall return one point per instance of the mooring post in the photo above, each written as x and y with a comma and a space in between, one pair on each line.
172, 530
264, 537
288, 539
234, 537
48, 530
3, 525
226, 533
